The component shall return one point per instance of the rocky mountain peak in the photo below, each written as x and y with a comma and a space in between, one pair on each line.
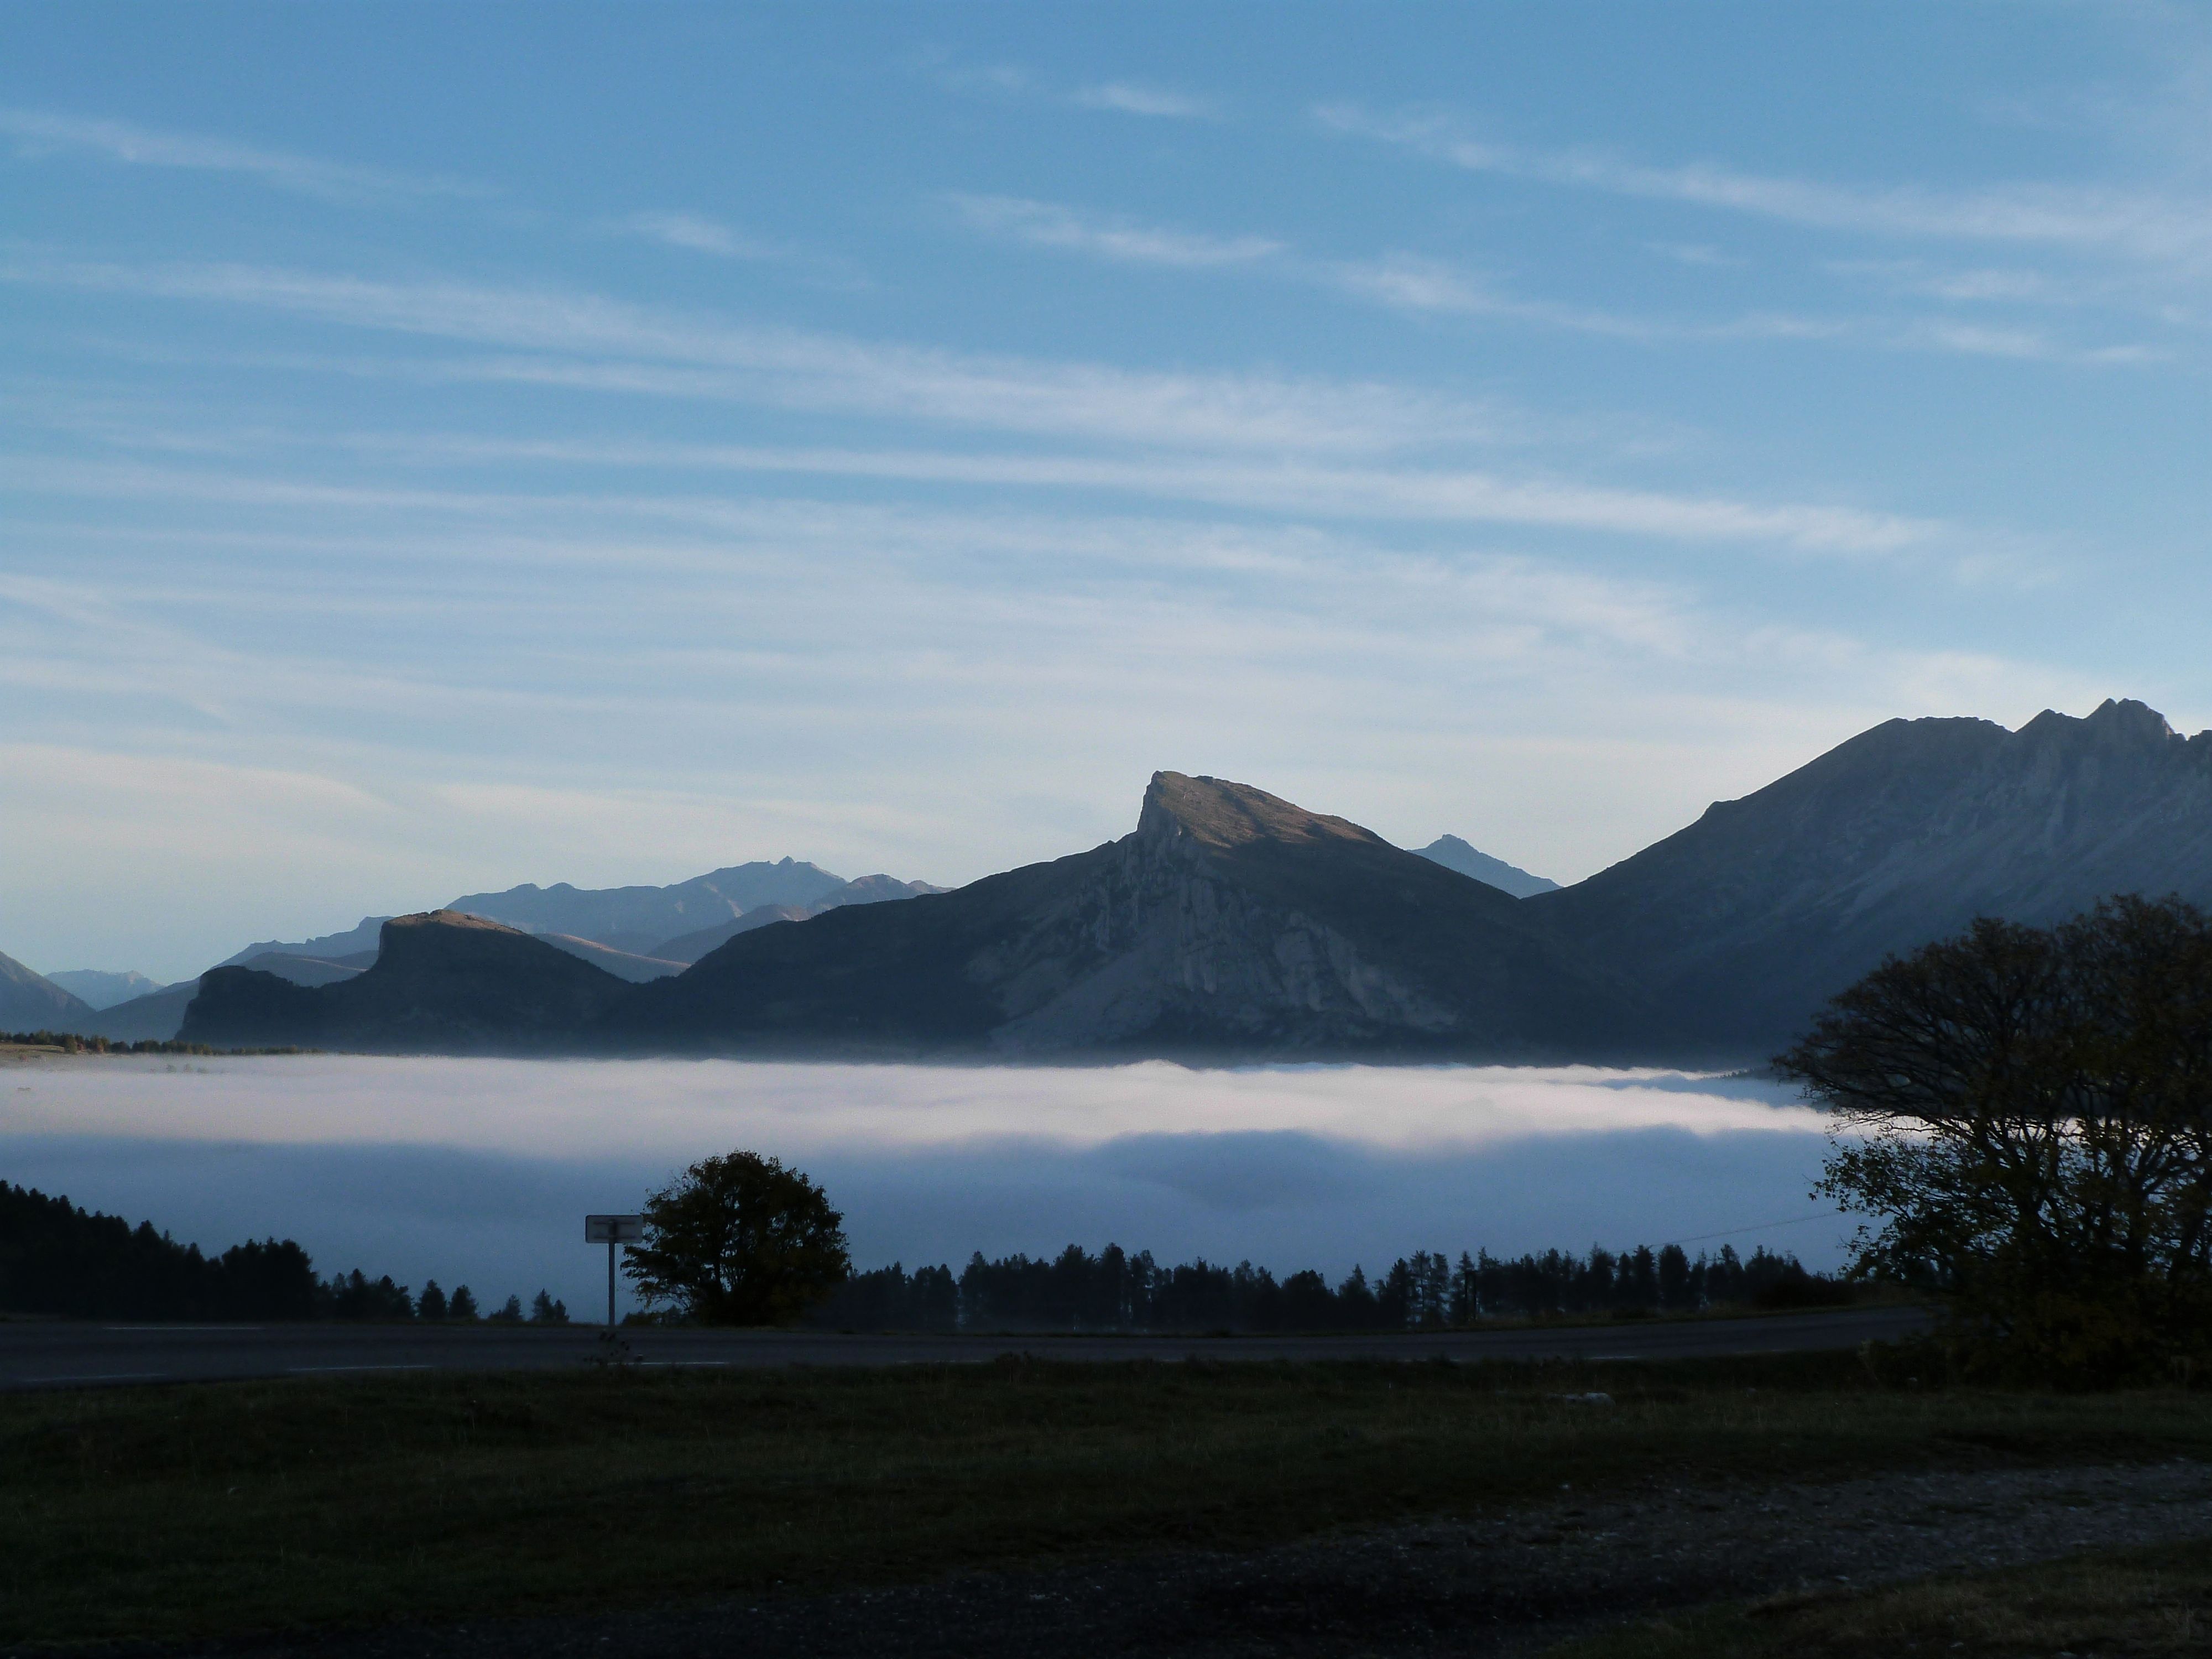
1213, 812
2113, 723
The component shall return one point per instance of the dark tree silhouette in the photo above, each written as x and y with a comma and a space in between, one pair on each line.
2026, 1113
739, 1240
544, 1310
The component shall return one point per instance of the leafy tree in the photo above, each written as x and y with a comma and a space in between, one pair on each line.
509, 1312
463, 1304
544, 1310
2026, 1114
431, 1304
739, 1240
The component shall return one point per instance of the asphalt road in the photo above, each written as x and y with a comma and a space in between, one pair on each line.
36, 1354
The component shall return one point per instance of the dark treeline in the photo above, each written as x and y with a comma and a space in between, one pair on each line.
1114, 1290
60, 1261
71, 1042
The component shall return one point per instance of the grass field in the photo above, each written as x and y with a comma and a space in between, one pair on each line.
2117, 1605
202, 1510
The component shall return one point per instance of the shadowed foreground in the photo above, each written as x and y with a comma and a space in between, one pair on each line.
1022, 1505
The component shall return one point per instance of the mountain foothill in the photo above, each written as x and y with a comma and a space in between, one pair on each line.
1233, 924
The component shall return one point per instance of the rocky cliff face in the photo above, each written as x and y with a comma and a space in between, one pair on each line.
1229, 921
1741, 925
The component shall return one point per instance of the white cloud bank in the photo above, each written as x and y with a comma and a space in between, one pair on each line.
478, 1170
680, 1110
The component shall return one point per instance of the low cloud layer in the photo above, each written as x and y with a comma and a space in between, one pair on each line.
480, 1171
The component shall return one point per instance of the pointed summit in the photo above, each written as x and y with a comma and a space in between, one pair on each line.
1218, 814
1231, 922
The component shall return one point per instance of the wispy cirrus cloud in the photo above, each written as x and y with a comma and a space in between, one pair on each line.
40, 133
694, 232
1418, 284
588, 340
1307, 488
2087, 218
1130, 98
1051, 224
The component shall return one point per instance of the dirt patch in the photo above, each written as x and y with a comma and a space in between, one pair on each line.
1501, 1582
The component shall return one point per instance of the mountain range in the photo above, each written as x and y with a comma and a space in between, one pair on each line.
601, 926
1231, 924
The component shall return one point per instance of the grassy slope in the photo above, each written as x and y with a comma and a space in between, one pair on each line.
206, 1510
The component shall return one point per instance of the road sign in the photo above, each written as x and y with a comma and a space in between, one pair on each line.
610, 1231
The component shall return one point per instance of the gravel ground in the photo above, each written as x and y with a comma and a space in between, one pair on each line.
1502, 1582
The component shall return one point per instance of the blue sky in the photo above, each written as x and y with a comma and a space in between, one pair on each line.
442, 447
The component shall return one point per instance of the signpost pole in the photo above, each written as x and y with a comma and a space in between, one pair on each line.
613, 1229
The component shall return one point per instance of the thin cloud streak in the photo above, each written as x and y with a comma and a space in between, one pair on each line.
791, 368
1416, 284
38, 132
1130, 99
1378, 494
694, 233
2087, 218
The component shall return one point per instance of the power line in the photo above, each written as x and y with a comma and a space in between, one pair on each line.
1731, 1232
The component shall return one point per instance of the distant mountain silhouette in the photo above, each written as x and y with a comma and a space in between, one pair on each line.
329, 947
31, 1002
867, 889
443, 982
637, 918
1740, 925
97, 989
1229, 922
1455, 854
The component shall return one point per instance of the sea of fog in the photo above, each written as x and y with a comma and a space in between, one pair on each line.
480, 1171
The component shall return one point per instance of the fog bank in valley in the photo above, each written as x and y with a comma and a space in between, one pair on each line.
480, 1170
